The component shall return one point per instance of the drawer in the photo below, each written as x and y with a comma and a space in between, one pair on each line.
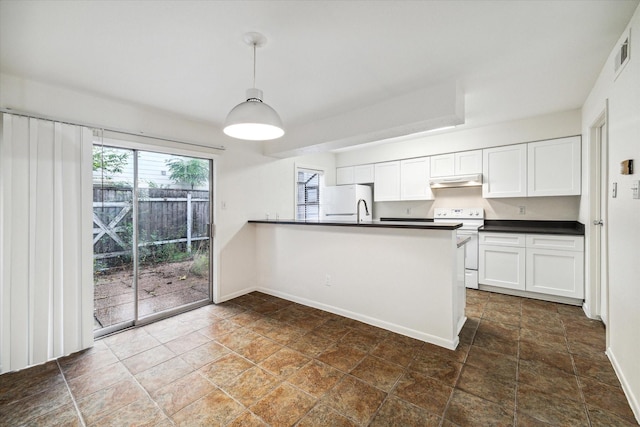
557, 242
502, 239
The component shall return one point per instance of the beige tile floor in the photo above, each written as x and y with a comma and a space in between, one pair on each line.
259, 360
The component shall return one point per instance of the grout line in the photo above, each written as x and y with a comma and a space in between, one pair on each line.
73, 398
515, 394
464, 362
575, 373
147, 393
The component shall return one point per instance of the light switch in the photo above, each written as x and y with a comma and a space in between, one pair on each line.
635, 188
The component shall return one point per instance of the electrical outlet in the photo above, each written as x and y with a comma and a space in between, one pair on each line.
522, 210
327, 280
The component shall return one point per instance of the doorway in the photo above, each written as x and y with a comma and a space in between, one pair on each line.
152, 242
599, 183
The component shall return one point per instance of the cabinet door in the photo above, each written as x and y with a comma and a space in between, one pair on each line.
554, 167
414, 179
363, 174
468, 162
505, 171
442, 165
555, 272
386, 181
502, 266
344, 175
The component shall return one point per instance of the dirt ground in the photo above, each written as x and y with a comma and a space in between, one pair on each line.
160, 287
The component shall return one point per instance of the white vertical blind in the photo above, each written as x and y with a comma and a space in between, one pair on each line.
46, 265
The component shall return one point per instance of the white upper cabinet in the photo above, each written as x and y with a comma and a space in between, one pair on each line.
360, 174
554, 167
462, 163
505, 171
363, 174
414, 179
468, 162
442, 165
344, 175
386, 181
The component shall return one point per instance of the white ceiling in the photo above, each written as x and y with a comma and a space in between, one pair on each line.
323, 59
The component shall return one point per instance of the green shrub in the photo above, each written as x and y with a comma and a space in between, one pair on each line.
200, 265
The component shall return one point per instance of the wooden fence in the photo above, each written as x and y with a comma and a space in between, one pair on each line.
165, 216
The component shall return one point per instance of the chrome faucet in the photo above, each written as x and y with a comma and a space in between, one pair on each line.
366, 209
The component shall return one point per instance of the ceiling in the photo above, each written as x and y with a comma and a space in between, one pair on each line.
324, 60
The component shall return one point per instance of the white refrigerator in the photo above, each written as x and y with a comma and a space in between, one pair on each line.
340, 203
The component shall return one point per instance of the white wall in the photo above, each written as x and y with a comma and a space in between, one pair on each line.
623, 95
556, 125
248, 183
536, 208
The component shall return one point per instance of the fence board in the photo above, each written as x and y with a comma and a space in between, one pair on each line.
162, 213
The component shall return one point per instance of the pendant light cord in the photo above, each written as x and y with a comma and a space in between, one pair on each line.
254, 65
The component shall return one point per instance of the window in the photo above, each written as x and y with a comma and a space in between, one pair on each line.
308, 184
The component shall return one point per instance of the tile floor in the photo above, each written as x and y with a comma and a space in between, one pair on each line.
260, 360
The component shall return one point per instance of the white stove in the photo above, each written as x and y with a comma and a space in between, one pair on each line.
472, 219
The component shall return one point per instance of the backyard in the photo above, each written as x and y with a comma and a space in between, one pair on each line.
160, 287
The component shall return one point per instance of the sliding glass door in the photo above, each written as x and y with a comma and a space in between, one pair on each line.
113, 272
173, 232
152, 218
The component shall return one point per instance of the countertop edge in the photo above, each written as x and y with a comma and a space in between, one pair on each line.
569, 228
425, 226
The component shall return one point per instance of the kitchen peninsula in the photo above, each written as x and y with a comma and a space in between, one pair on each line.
405, 277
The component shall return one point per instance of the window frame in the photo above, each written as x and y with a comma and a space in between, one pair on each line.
321, 184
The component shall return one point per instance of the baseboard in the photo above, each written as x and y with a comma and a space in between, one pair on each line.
236, 294
451, 345
532, 295
633, 400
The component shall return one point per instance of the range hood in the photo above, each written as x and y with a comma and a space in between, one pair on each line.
457, 181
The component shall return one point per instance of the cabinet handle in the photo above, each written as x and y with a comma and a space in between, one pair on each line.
598, 222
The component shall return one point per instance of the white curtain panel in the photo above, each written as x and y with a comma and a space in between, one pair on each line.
46, 257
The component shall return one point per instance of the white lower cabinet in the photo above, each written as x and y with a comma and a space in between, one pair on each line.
555, 265
502, 260
540, 263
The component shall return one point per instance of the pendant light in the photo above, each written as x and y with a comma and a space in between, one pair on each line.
253, 119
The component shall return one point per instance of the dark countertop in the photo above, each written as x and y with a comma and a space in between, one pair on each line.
573, 228
406, 219
411, 224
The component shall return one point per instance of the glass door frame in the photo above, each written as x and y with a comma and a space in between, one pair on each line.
164, 147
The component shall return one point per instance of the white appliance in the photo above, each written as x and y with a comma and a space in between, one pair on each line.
472, 180
340, 203
472, 219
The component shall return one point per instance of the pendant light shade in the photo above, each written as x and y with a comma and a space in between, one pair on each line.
253, 119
